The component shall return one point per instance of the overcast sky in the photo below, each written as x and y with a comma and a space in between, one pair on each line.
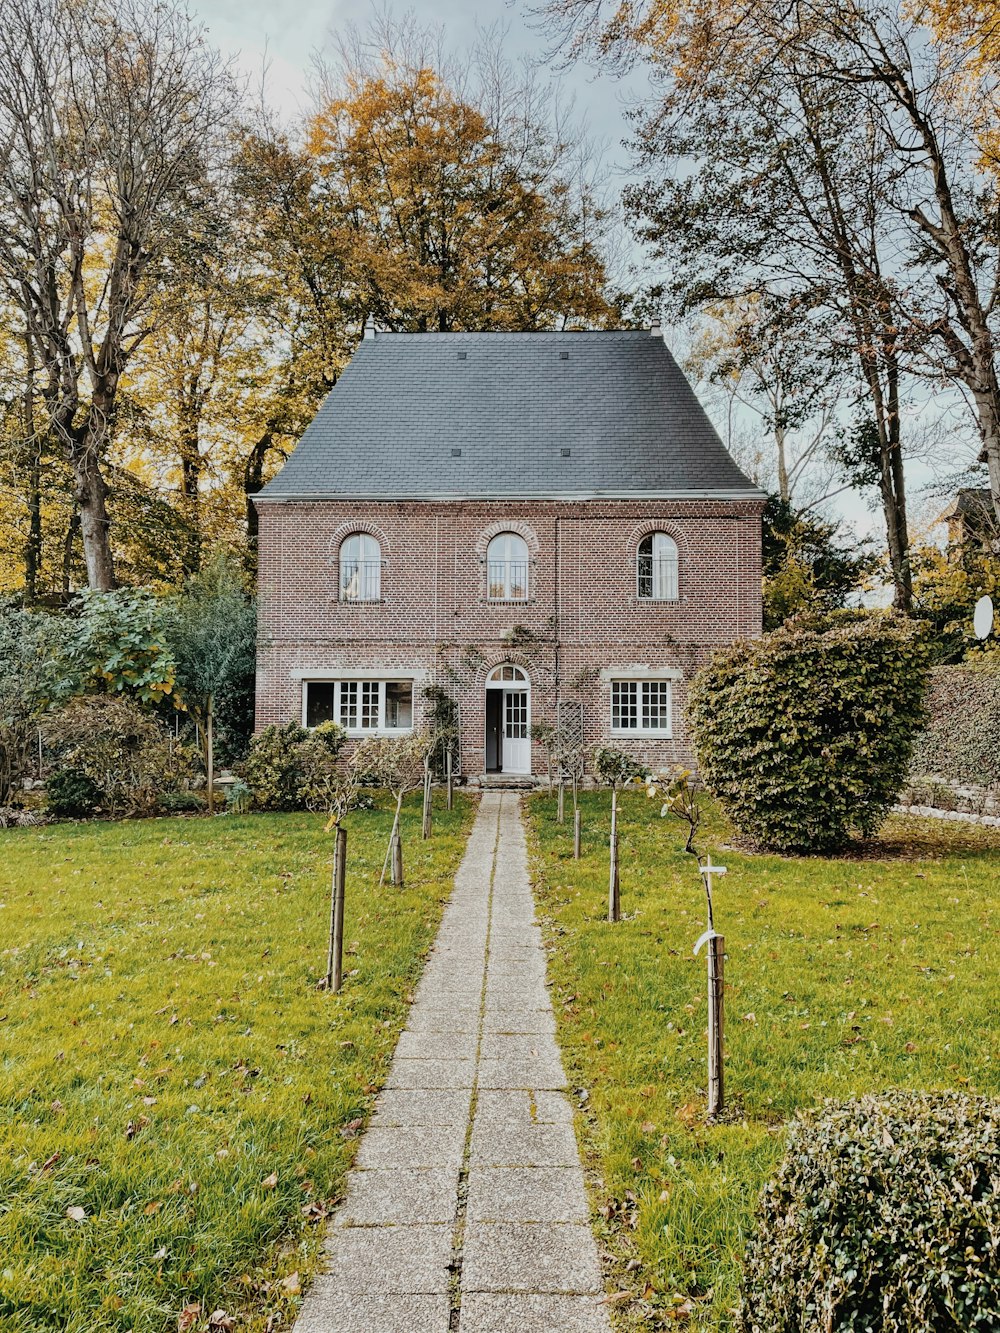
262, 34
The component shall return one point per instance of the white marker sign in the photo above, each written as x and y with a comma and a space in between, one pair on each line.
982, 618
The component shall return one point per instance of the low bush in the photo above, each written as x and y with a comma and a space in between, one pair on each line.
805, 735
125, 751
961, 740
288, 767
884, 1215
181, 802
72, 794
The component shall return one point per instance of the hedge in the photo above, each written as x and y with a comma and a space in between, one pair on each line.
805, 735
884, 1215
961, 741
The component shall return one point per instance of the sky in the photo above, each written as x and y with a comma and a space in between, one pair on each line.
266, 39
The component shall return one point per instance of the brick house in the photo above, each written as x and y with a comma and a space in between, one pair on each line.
544, 525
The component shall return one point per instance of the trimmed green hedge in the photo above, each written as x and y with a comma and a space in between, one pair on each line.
884, 1215
805, 735
961, 741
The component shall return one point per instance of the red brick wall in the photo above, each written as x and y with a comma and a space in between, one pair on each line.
583, 614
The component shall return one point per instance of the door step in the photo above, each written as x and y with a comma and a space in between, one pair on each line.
504, 782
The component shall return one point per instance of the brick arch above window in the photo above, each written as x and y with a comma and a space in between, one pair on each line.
347, 529
668, 527
510, 525
511, 657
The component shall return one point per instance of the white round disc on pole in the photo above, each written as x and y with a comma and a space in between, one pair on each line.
982, 618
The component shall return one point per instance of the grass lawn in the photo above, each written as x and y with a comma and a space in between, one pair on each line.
843, 976
178, 1102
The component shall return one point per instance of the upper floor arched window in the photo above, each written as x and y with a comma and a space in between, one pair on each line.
656, 568
507, 568
360, 568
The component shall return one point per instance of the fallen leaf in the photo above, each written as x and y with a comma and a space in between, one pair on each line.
76, 1213
188, 1317
291, 1284
270, 1181
219, 1319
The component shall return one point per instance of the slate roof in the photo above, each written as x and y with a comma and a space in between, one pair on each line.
526, 415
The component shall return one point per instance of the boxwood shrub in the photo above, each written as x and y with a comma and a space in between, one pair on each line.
961, 740
884, 1217
805, 735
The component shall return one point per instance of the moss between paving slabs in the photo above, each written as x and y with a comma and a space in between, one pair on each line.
168, 1066
843, 976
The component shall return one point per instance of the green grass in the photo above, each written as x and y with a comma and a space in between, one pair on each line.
843, 976
168, 1065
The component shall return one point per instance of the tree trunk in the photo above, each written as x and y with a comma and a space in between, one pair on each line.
449, 777
576, 833
90, 493
425, 826
192, 466
72, 528
716, 994
397, 860
561, 805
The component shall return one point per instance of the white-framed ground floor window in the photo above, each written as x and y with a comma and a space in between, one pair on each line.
641, 708
359, 706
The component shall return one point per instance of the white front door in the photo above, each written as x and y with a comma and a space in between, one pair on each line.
516, 740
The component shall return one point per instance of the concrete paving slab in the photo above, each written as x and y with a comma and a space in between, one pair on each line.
328, 1311
527, 1193
431, 1073
397, 1196
398, 1261
536, 1072
487, 1312
408, 1146
422, 1106
556, 1257
436, 1046
528, 1106
519, 1144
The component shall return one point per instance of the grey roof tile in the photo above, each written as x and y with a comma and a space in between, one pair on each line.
618, 402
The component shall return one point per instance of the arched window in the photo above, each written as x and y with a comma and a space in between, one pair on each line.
507, 568
656, 568
360, 569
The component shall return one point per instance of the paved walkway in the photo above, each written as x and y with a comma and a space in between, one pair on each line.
466, 1209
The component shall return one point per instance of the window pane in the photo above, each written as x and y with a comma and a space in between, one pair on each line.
349, 704
399, 704
360, 569
624, 705
319, 702
656, 705
507, 568
369, 705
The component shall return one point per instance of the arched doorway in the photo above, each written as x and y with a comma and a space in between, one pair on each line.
508, 720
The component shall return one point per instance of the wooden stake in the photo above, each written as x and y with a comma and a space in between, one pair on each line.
335, 956
716, 995
448, 776
576, 834
426, 825
210, 756
614, 893
397, 860
561, 809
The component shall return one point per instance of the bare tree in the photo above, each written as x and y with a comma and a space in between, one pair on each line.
110, 117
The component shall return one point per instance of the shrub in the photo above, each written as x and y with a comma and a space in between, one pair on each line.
181, 802
288, 767
121, 747
884, 1214
961, 741
72, 794
805, 735
614, 768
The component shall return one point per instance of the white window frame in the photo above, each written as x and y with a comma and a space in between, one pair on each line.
508, 563
358, 687
642, 686
671, 563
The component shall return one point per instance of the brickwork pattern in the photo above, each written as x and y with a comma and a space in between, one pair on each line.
583, 616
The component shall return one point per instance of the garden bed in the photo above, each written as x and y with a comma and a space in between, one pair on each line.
844, 975
178, 1101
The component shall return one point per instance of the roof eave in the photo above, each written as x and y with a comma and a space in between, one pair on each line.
301, 497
